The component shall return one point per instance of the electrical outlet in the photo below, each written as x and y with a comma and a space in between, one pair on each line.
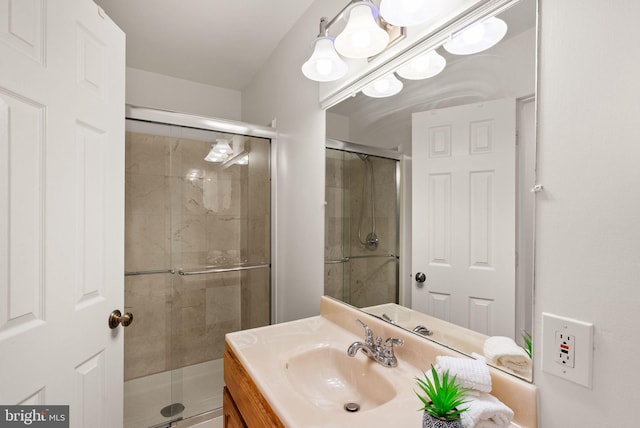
567, 348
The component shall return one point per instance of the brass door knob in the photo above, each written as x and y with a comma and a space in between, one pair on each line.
116, 318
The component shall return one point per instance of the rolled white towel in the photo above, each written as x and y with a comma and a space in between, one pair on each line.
503, 351
485, 411
469, 373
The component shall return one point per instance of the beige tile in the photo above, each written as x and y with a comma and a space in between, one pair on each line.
147, 154
147, 244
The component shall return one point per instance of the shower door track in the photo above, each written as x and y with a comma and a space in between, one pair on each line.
221, 270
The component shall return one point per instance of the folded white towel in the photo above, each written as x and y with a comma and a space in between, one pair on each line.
485, 411
469, 373
503, 351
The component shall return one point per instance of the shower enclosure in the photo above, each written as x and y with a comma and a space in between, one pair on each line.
197, 261
361, 226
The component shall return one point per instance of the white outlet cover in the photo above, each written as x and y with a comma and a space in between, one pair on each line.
581, 373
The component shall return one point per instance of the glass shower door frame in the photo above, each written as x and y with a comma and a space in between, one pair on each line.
179, 120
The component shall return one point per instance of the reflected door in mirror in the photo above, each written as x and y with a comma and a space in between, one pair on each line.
464, 174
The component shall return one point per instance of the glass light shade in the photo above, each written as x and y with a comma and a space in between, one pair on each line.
214, 156
223, 147
423, 66
243, 160
405, 13
324, 65
362, 37
478, 37
384, 87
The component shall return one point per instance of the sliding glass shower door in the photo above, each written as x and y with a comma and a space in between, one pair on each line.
197, 261
361, 228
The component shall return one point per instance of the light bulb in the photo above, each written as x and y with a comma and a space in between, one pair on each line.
478, 37
423, 66
362, 37
383, 87
407, 13
324, 65
474, 34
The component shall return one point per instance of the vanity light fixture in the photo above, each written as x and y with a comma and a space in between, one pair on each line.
478, 37
405, 13
324, 65
423, 66
385, 86
362, 37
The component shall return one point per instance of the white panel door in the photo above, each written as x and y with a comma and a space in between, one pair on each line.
61, 207
463, 215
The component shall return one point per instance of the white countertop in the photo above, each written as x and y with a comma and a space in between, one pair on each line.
265, 353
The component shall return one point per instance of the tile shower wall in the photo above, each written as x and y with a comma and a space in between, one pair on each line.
361, 281
183, 212
373, 280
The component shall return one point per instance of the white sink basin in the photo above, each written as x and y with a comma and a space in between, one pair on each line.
328, 378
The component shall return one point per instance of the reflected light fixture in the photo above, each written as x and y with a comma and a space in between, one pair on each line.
478, 37
423, 66
214, 156
219, 152
222, 146
385, 86
243, 160
362, 37
405, 13
324, 65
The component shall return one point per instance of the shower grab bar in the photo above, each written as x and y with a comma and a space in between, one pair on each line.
149, 272
366, 256
221, 270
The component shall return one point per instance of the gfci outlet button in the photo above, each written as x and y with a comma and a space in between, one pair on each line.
567, 348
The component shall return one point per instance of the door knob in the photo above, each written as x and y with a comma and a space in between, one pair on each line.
116, 318
421, 277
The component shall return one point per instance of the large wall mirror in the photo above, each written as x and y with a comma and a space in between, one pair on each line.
462, 146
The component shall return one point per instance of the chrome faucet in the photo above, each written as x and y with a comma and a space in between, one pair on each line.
374, 349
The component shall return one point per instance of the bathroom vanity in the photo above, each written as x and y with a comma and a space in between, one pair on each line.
299, 374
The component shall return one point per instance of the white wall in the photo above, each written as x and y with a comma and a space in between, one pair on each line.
338, 127
282, 92
147, 89
588, 219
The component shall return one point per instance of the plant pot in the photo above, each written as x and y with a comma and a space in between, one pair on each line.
429, 421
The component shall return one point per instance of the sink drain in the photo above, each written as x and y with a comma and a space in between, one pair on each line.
352, 407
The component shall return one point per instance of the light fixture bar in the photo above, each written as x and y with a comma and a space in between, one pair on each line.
430, 41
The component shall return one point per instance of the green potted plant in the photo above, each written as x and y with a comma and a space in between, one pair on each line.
441, 400
528, 344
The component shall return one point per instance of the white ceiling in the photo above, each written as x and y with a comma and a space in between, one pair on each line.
218, 42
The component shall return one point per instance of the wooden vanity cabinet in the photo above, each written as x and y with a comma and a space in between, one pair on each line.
243, 404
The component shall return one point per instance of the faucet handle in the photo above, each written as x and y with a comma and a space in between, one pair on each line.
388, 345
368, 334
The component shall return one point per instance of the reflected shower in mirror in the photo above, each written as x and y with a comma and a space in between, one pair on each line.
438, 119
361, 227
